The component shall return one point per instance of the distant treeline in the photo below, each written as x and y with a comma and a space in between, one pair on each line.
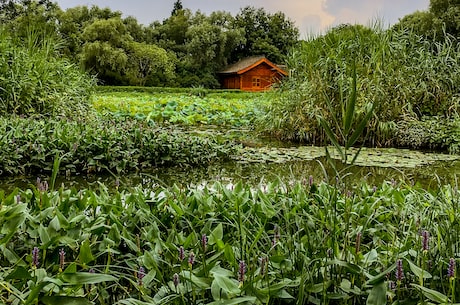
184, 50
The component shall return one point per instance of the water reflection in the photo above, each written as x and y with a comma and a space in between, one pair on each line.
430, 176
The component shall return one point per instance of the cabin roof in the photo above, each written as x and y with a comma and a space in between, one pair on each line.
248, 63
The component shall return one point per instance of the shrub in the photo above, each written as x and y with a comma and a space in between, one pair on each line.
34, 79
404, 74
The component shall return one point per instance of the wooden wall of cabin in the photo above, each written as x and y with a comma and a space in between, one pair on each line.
258, 79
231, 82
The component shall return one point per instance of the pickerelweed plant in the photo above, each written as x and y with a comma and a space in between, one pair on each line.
279, 244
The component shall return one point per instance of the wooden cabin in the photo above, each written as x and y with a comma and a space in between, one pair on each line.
255, 73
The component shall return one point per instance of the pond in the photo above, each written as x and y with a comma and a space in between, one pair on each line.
263, 164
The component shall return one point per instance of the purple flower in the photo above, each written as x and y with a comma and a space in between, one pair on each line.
35, 261
241, 271
451, 268
61, 259
191, 259
140, 275
91, 270
425, 240
204, 242
176, 280
181, 253
310, 180
399, 270
18, 199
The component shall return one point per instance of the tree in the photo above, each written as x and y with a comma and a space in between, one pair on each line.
72, 24
104, 51
272, 35
22, 16
148, 61
177, 8
443, 17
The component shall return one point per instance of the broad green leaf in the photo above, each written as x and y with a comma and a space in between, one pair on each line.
418, 272
378, 295
44, 236
85, 255
360, 128
331, 136
350, 104
200, 282
351, 267
65, 300
19, 273
216, 234
82, 278
224, 287
433, 295
246, 299
373, 280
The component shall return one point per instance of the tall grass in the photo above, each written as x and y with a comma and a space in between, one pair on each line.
35, 80
407, 76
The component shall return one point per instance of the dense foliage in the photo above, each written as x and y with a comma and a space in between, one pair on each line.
233, 110
96, 144
230, 244
34, 79
186, 49
322, 73
440, 20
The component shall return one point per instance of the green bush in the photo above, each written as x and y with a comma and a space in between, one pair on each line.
405, 75
35, 80
109, 143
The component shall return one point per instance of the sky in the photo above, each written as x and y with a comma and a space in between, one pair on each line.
310, 16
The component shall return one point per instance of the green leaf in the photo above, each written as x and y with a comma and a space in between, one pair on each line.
64, 300
19, 273
378, 295
331, 136
373, 280
85, 253
246, 299
419, 272
82, 278
351, 104
359, 129
216, 234
223, 286
433, 295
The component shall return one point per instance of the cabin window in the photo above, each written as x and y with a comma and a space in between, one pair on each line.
256, 81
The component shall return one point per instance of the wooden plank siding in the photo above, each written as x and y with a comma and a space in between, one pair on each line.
251, 74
